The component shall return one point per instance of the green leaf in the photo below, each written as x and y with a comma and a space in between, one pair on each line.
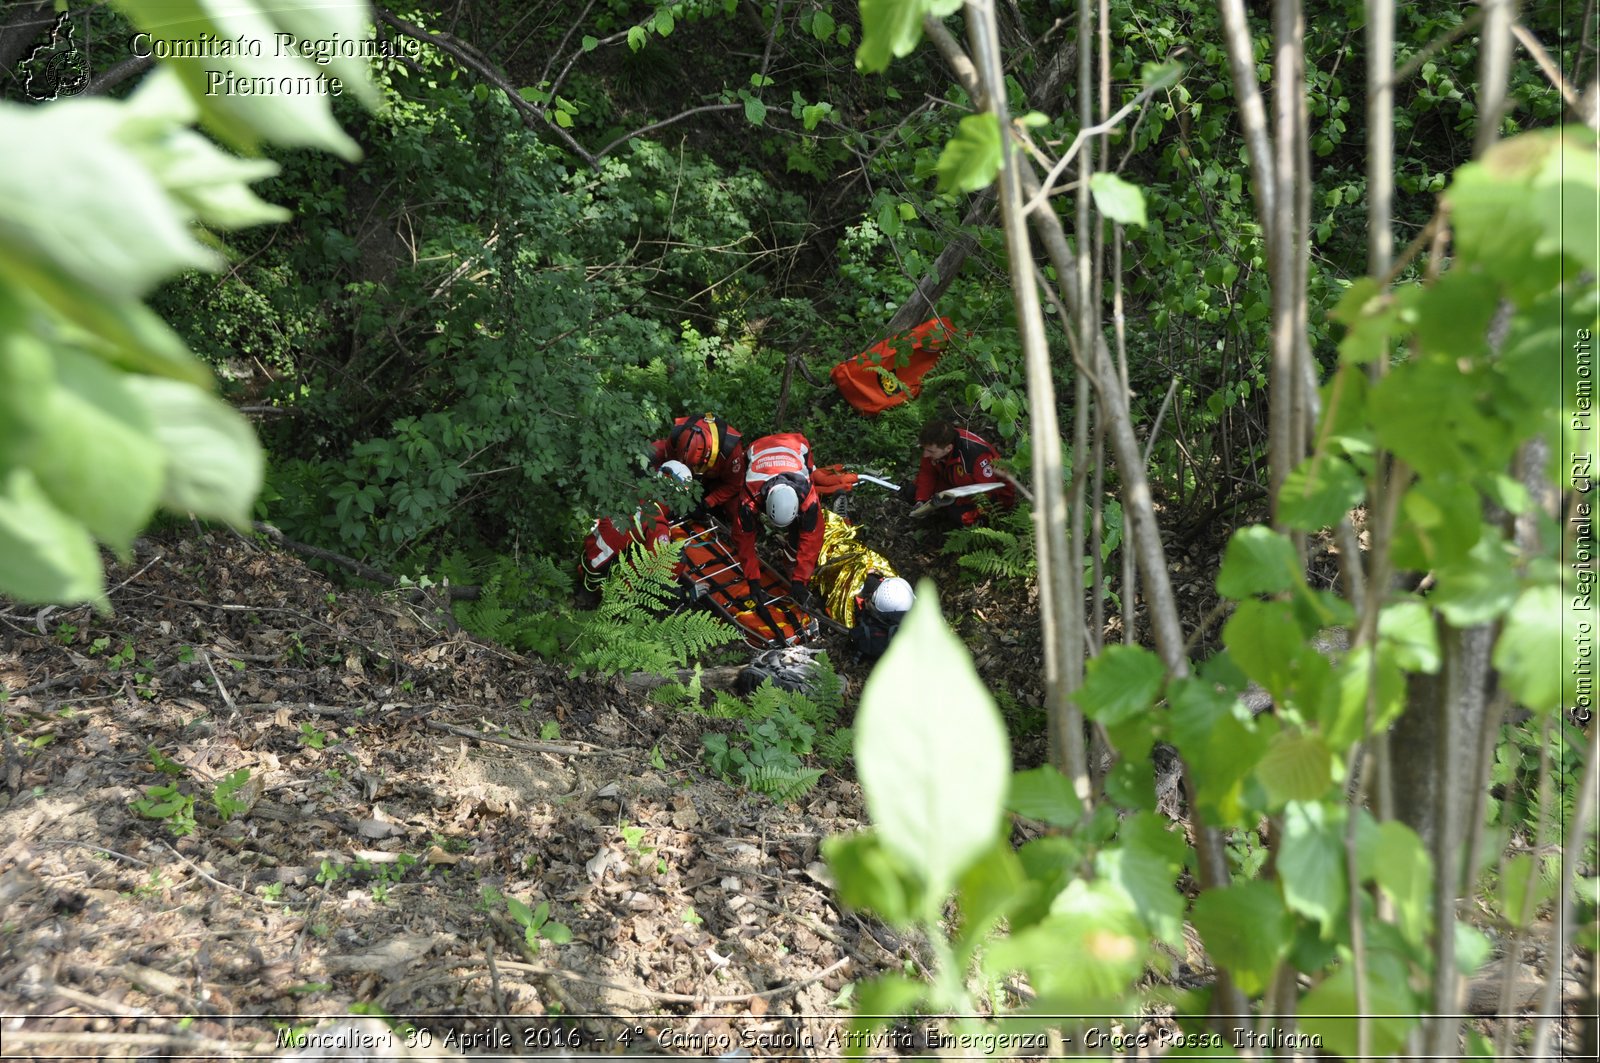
1120, 684
95, 456
1540, 184
1119, 200
1258, 560
1453, 314
1480, 588
1431, 413
1153, 77
1245, 928
1344, 712
121, 244
1084, 955
1529, 650
1327, 1009
556, 933
636, 38
1403, 870
1219, 741
664, 22
1407, 628
971, 159
1297, 767
1473, 948
1523, 888
1146, 866
519, 911
889, 29
871, 878
989, 891
45, 556
931, 750
754, 110
590, 43
213, 462
1043, 793
1265, 640
1311, 863
1318, 492
1371, 319
563, 119
297, 119
210, 182
814, 113
822, 25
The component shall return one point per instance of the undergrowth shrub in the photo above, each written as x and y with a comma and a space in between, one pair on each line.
778, 728
523, 604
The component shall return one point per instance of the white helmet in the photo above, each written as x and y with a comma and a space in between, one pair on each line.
893, 596
783, 505
677, 470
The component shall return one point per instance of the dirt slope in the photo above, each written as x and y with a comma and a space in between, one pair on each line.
398, 790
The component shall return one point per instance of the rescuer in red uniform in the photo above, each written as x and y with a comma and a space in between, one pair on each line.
778, 488
651, 525
714, 451
954, 457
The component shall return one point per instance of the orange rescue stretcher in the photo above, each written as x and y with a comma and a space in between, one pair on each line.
711, 572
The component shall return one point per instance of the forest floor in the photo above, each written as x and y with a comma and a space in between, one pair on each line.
402, 785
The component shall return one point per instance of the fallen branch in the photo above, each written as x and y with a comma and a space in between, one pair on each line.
530, 747
722, 677
362, 570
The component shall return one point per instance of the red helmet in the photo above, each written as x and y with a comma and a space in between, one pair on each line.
695, 444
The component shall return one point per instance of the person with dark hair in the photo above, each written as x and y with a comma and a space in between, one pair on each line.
714, 451
954, 457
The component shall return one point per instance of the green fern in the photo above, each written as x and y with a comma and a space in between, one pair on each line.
641, 625
520, 602
836, 748
782, 784
1003, 549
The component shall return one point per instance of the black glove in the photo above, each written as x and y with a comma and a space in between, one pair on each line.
908, 493
699, 514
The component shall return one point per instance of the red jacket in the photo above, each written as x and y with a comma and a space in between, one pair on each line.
725, 479
775, 459
970, 461
607, 541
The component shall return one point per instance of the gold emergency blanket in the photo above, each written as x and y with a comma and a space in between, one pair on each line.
842, 567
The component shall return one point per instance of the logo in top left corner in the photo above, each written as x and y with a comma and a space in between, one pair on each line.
56, 69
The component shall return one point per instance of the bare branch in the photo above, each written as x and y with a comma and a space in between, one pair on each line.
117, 73
1531, 44
1252, 112
1494, 71
561, 47
653, 126
533, 116
1435, 46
